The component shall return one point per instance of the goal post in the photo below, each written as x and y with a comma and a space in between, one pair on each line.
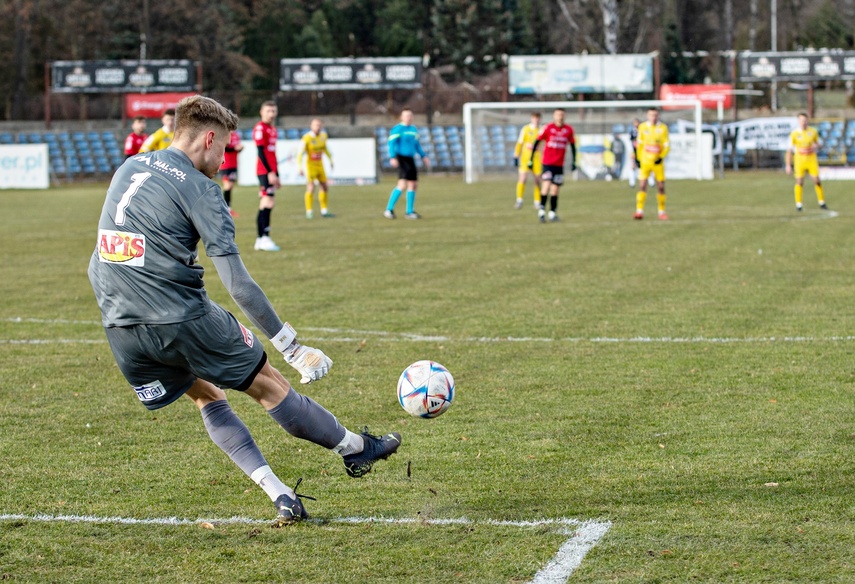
487, 151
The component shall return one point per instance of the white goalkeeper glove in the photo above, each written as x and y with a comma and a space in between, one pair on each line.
310, 363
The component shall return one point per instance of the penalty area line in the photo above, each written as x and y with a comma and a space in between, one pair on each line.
583, 535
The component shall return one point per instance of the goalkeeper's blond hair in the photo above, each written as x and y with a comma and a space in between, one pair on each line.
198, 113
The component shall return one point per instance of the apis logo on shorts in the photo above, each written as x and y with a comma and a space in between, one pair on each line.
120, 247
150, 391
247, 335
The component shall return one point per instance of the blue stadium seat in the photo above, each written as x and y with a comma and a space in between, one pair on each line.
292, 134
36, 138
246, 134
21, 138
78, 136
6, 138
104, 167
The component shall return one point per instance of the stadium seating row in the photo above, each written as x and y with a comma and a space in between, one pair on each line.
442, 144
91, 153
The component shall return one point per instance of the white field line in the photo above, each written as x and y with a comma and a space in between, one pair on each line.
689, 219
571, 553
341, 335
584, 535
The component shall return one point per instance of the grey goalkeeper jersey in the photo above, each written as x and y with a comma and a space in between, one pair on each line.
157, 209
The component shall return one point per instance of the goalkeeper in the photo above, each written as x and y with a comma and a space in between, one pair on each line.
523, 154
169, 339
652, 148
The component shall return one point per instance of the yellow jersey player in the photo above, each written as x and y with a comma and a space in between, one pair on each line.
162, 137
313, 148
801, 159
523, 152
653, 147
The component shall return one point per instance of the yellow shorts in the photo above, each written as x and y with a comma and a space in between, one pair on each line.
316, 172
536, 168
647, 166
805, 165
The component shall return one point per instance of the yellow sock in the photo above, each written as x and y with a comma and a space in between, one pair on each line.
640, 199
798, 190
819, 196
322, 197
660, 201
536, 193
520, 190
308, 198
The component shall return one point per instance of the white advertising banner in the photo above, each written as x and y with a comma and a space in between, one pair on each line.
609, 157
682, 160
24, 166
687, 127
558, 74
355, 162
760, 133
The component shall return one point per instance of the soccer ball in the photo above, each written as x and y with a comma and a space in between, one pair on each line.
425, 389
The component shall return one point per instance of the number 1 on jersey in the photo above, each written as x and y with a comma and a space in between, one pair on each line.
137, 180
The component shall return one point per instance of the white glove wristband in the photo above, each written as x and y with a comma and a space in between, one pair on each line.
284, 338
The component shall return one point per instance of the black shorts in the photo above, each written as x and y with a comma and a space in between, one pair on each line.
553, 174
229, 173
267, 190
407, 168
162, 361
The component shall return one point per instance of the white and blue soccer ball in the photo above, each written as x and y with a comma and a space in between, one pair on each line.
425, 389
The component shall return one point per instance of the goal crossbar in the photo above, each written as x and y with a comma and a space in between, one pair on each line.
468, 129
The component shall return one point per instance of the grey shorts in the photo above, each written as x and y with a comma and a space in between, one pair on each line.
162, 361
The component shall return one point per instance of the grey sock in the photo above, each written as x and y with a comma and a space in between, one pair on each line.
229, 433
304, 418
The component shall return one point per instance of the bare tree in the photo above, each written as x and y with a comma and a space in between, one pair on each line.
752, 26
23, 25
611, 25
576, 22
727, 28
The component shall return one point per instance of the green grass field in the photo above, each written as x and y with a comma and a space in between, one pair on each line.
690, 382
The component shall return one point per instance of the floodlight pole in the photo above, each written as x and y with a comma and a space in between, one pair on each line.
774, 25
47, 95
774, 29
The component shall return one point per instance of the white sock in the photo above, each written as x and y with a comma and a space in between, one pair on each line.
350, 444
271, 484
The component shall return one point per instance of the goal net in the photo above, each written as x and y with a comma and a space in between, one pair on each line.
603, 149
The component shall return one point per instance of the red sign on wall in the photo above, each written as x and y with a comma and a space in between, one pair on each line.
709, 95
151, 105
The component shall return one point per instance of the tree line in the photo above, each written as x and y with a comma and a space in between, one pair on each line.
240, 42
